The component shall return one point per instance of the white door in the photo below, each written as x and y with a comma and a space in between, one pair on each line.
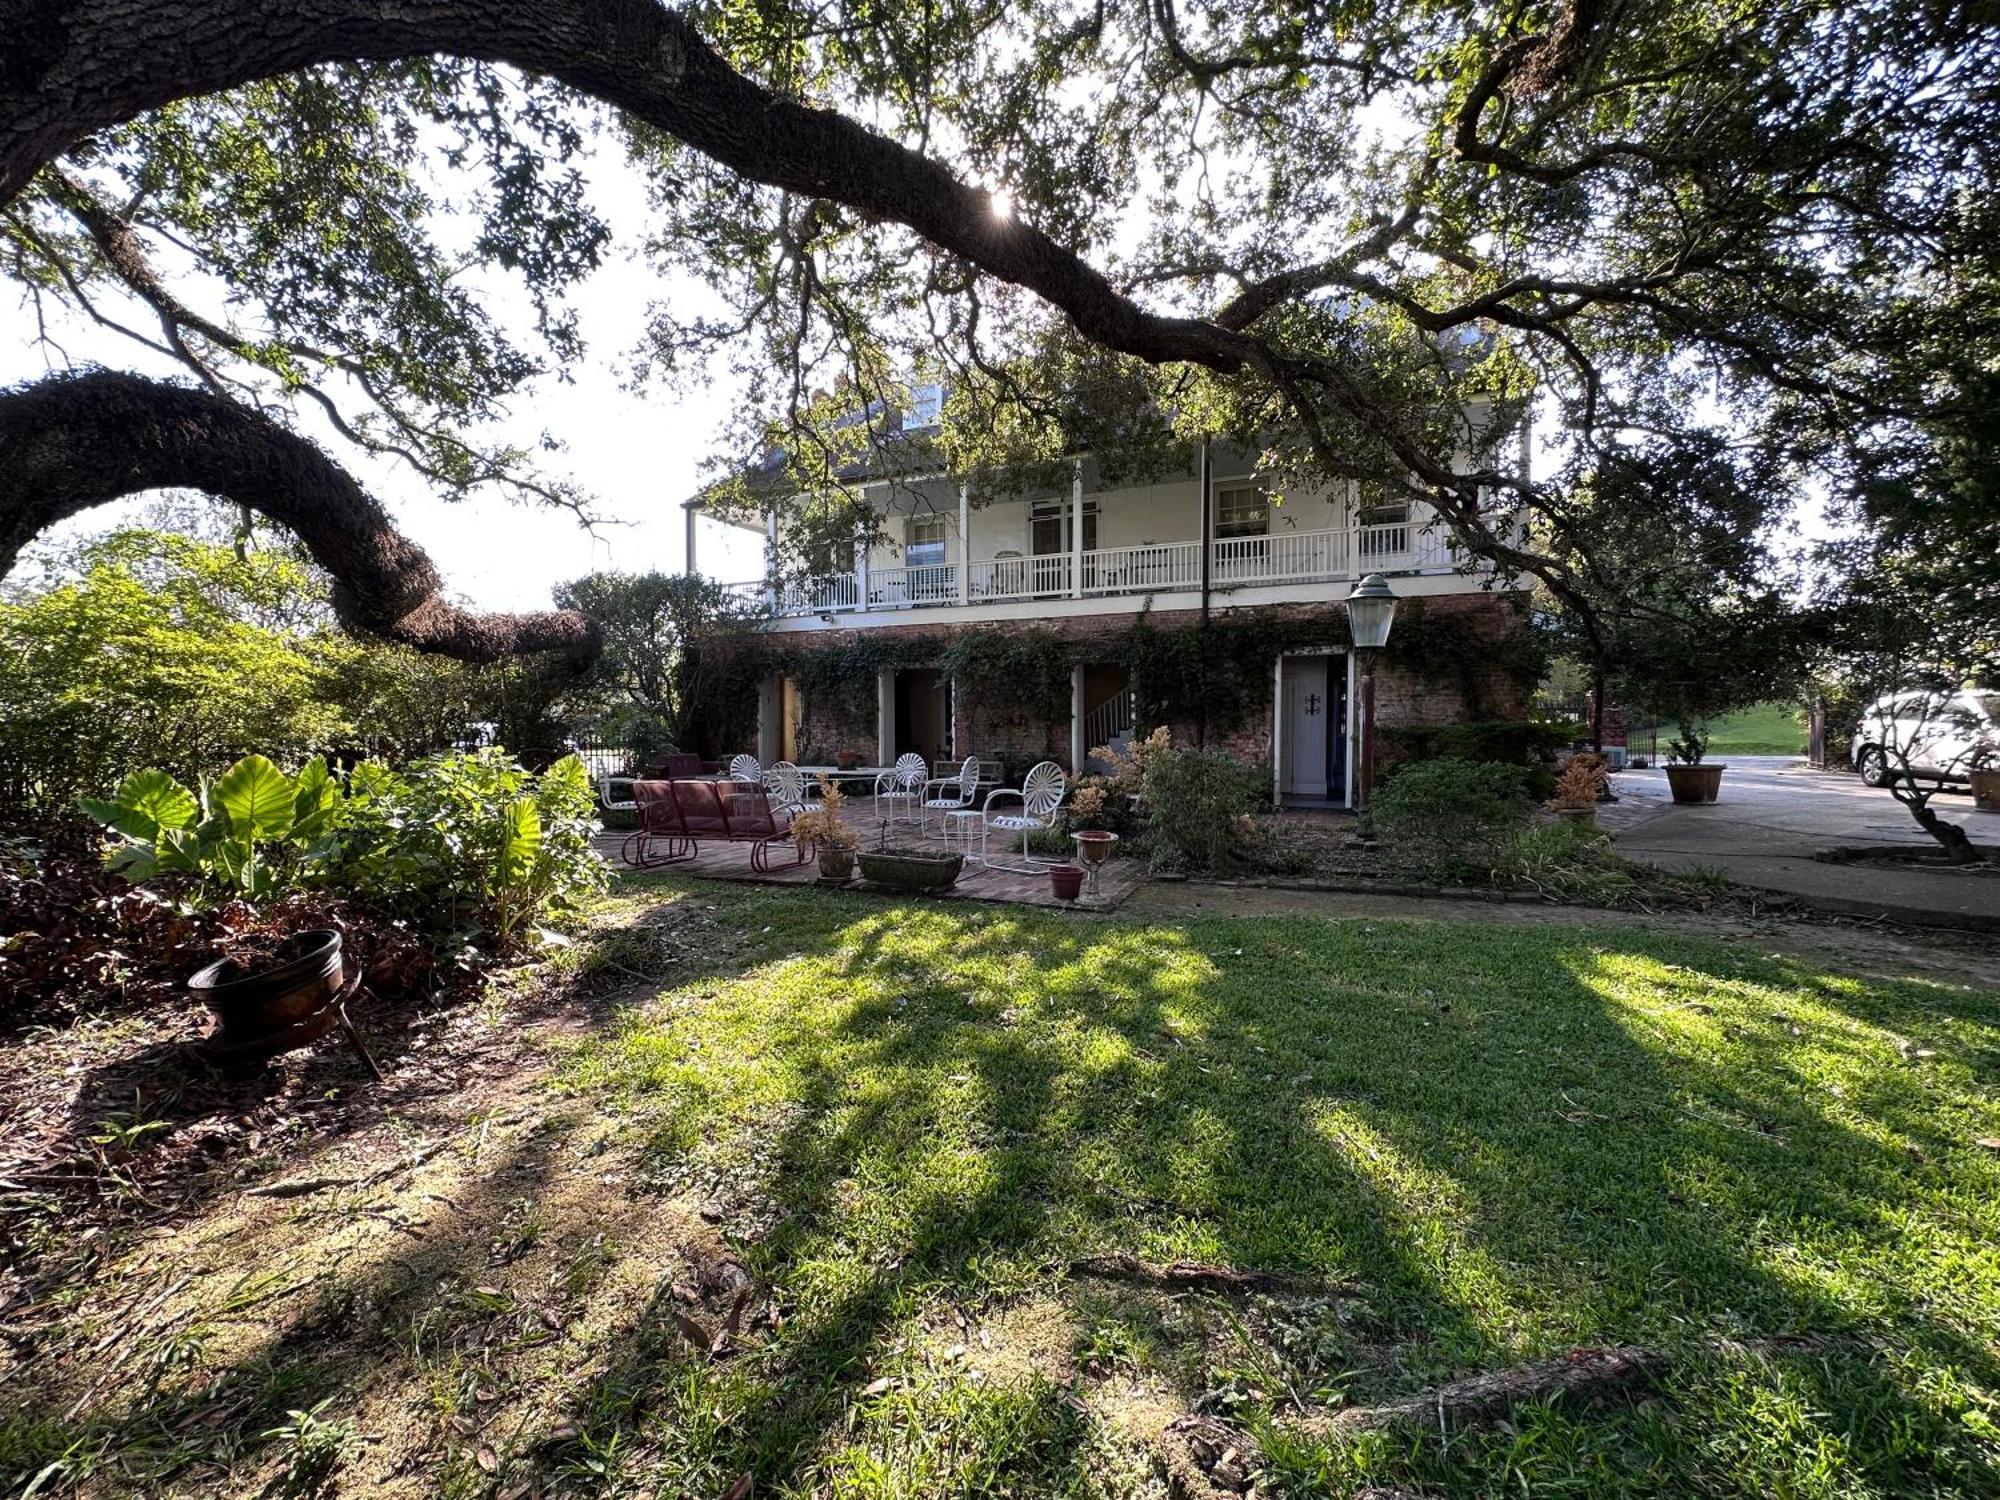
1305, 738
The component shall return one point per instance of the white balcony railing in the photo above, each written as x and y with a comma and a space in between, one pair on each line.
1156, 567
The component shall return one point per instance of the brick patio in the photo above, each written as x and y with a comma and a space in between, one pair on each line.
721, 861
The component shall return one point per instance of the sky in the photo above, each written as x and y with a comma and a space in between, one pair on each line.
639, 455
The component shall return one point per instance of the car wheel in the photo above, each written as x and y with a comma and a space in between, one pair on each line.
1874, 766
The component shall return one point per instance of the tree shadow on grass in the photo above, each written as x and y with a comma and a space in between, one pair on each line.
1494, 1146
1515, 1142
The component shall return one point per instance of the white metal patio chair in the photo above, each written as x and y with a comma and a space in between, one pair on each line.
746, 768
900, 789
944, 795
1040, 794
611, 803
786, 785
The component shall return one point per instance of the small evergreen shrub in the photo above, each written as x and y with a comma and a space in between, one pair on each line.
1198, 804
1446, 819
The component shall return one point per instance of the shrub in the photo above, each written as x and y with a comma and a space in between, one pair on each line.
1531, 743
458, 845
1580, 784
470, 843
1196, 803
1445, 819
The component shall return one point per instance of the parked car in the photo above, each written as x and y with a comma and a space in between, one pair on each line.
1942, 735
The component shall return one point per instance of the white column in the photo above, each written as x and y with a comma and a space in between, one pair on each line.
1278, 733
964, 542
771, 558
885, 716
689, 512
1076, 532
861, 572
1079, 752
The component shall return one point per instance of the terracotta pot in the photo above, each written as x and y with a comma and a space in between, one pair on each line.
1986, 788
1066, 881
836, 866
294, 999
1695, 784
847, 760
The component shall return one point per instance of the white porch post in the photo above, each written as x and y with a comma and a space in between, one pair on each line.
861, 572
1078, 750
1278, 733
690, 567
1076, 532
885, 716
964, 542
771, 559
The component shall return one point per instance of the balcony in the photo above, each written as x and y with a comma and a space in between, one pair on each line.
1236, 563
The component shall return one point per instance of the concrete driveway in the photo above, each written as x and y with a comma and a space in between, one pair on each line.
1775, 813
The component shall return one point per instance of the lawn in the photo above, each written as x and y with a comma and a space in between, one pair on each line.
905, 1134
1767, 729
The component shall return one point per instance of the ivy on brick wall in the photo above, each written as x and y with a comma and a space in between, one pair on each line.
1442, 646
1012, 674
1214, 677
1217, 677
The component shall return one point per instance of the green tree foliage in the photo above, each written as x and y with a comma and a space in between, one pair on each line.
659, 667
1364, 238
148, 648
159, 651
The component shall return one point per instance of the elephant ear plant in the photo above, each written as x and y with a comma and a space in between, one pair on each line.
251, 832
461, 847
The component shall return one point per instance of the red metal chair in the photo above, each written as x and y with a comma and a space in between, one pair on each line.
736, 813
662, 837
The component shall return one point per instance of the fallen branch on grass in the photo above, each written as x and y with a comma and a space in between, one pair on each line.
299, 1187
1229, 1458
1480, 1397
1195, 1274
1576, 1372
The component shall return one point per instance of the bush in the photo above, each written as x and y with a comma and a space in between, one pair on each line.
460, 846
1530, 743
1446, 819
1197, 803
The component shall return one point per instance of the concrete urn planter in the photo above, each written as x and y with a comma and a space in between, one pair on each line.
1986, 788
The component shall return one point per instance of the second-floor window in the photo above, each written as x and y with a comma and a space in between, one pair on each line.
1241, 510
924, 543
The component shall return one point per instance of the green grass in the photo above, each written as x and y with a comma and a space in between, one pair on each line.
1515, 1139
1767, 729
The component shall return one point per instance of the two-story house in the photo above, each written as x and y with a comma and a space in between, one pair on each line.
1213, 544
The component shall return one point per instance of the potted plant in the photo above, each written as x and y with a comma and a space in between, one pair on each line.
1688, 778
1578, 786
825, 830
847, 760
270, 993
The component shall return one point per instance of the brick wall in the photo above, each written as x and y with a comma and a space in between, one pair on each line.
1403, 695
